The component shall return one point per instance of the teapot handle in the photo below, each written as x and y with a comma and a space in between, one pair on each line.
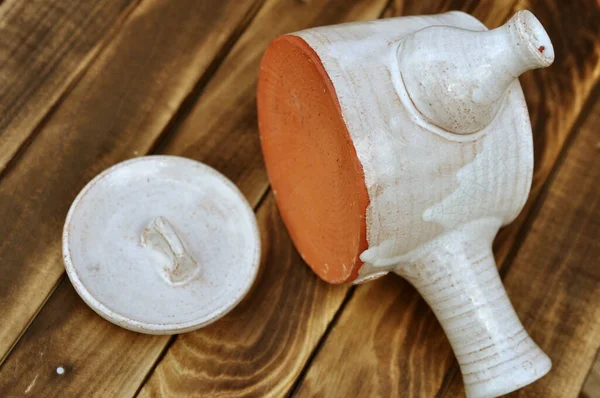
460, 281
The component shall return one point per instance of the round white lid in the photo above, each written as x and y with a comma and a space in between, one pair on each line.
161, 245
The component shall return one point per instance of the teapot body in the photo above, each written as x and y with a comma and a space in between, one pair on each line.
422, 180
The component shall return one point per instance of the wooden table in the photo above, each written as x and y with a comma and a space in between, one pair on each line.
87, 84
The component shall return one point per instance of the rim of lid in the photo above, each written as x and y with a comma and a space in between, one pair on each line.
145, 327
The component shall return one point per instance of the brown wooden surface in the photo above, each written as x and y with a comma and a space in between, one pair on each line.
44, 46
89, 84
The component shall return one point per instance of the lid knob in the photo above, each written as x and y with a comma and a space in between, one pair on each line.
161, 235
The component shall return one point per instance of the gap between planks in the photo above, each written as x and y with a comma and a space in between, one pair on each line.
591, 386
14, 344
332, 323
190, 100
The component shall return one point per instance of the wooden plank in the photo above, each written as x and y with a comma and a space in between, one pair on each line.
555, 97
390, 350
44, 47
117, 111
591, 387
221, 131
554, 280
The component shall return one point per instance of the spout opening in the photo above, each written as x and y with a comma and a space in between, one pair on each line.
533, 35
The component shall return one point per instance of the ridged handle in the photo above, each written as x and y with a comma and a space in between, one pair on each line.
460, 281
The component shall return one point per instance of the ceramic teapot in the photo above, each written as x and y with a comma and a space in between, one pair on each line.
403, 145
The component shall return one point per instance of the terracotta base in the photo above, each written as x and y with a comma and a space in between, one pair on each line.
312, 163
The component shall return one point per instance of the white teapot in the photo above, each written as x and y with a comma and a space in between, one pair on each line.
403, 145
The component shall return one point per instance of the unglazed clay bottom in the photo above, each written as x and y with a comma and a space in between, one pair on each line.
306, 140
403, 145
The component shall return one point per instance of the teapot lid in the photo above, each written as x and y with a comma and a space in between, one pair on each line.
161, 245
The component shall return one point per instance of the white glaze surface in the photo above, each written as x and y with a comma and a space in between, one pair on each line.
125, 278
457, 276
439, 193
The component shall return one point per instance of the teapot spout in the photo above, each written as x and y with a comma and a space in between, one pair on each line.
457, 78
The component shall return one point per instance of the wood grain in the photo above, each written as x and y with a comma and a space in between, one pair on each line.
45, 46
261, 346
117, 111
220, 131
92, 367
554, 280
373, 355
591, 387
555, 97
